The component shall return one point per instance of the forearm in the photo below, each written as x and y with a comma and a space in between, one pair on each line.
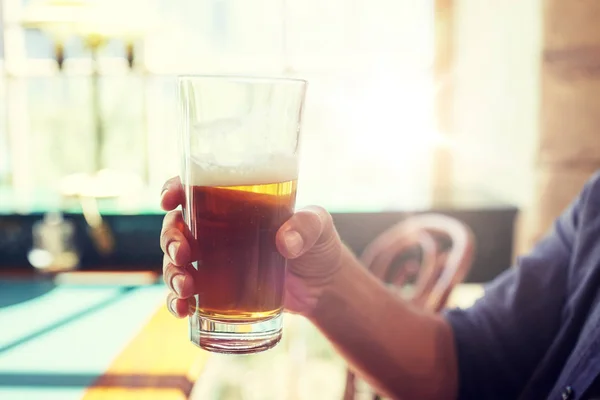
403, 352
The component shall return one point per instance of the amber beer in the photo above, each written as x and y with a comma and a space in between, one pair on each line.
240, 141
239, 274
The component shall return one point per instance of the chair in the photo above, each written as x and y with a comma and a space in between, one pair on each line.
428, 254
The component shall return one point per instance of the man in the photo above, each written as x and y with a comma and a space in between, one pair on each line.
534, 335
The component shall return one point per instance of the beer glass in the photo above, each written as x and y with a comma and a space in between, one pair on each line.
240, 138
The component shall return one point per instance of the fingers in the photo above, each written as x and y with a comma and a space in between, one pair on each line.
177, 279
173, 241
172, 194
178, 307
175, 245
303, 230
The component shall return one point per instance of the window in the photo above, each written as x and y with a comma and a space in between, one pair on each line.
369, 117
4, 156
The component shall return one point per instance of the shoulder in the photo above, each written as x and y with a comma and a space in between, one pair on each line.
592, 189
572, 226
583, 225
588, 204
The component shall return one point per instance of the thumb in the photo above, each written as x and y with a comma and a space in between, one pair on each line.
307, 229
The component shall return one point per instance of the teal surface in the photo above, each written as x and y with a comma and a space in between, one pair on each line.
55, 345
42, 200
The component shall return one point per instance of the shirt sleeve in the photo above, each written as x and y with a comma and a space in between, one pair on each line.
502, 337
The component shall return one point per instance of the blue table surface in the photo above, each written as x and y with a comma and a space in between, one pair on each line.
56, 340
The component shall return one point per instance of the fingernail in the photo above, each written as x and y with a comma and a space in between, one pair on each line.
172, 250
177, 282
172, 305
293, 242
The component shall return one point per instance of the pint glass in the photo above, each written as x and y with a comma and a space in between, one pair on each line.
240, 138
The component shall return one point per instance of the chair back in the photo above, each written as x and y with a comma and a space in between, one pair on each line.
429, 254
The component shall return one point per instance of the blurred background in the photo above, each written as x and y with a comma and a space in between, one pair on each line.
371, 66
410, 102
483, 110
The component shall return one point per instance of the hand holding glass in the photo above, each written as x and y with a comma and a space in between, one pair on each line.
239, 173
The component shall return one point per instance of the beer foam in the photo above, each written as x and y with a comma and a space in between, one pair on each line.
273, 169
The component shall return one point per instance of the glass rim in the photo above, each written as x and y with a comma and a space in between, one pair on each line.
241, 78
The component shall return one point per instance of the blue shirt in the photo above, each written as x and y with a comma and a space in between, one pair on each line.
536, 332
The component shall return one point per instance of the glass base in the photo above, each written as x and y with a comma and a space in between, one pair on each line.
235, 337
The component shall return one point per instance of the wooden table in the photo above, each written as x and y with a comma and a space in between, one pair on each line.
304, 366
115, 340
106, 340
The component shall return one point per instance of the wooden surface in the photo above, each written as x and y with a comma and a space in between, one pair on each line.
159, 363
67, 341
304, 366
94, 341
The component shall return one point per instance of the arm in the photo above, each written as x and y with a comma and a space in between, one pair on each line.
401, 351
502, 340
486, 352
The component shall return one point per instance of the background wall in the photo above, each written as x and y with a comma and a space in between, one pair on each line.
497, 95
